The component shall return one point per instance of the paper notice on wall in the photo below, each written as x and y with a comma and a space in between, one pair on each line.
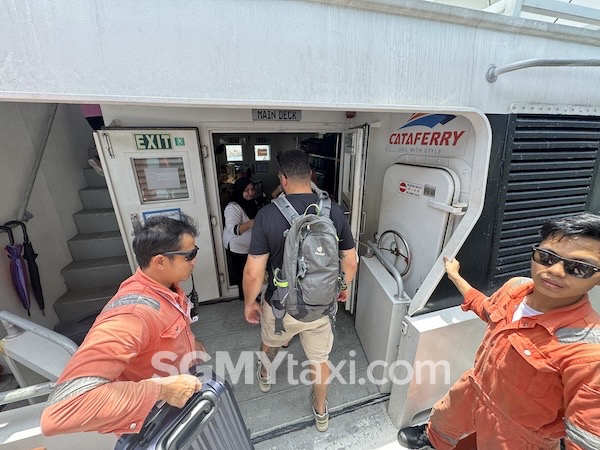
162, 178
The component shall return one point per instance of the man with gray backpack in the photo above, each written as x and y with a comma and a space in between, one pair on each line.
304, 241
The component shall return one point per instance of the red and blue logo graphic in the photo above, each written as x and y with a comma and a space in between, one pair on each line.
427, 120
444, 138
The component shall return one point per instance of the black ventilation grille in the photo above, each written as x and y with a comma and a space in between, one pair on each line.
551, 164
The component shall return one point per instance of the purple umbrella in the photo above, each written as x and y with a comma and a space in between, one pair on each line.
18, 272
30, 255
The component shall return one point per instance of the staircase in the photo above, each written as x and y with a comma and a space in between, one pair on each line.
99, 259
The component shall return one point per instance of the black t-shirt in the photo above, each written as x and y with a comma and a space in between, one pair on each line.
270, 224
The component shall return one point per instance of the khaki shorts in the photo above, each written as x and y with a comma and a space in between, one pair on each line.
316, 337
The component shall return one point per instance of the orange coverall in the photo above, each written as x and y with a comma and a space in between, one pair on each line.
533, 381
142, 319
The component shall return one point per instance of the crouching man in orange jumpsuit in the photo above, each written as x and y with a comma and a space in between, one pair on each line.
536, 377
112, 382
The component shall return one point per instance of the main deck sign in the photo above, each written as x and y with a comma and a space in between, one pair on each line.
430, 135
288, 115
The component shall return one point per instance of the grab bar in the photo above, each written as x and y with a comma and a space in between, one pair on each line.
392, 270
494, 71
26, 393
15, 325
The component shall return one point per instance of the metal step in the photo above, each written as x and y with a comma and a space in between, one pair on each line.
96, 272
93, 179
95, 220
78, 303
95, 198
96, 245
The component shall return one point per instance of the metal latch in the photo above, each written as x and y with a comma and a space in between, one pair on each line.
458, 209
404, 327
108, 145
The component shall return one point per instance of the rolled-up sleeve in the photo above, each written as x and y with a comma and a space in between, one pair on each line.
116, 407
113, 405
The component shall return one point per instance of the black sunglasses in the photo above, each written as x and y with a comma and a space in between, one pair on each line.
280, 168
188, 255
572, 267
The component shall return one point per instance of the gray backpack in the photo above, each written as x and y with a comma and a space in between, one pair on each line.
308, 283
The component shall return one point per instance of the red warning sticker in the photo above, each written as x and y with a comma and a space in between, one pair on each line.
412, 189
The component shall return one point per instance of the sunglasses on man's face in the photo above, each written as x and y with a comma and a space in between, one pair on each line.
188, 255
577, 269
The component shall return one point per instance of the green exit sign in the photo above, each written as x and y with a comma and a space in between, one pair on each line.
153, 141
179, 141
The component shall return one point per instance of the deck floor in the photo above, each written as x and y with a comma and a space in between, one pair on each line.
286, 408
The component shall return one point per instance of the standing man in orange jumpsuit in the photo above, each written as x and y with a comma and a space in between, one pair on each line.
536, 377
117, 375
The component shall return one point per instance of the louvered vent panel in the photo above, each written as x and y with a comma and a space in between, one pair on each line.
551, 165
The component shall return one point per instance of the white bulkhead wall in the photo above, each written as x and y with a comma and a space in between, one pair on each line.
233, 52
219, 120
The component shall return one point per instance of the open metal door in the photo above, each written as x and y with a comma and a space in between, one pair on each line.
159, 171
351, 184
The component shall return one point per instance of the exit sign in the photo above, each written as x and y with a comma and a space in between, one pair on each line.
153, 141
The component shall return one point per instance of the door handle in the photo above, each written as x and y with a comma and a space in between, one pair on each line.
446, 208
363, 220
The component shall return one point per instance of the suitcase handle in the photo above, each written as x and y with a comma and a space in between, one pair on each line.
206, 405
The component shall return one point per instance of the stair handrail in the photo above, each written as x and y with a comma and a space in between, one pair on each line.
15, 325
24, 215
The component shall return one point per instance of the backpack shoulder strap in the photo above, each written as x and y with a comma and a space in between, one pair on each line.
324, 203
286, 208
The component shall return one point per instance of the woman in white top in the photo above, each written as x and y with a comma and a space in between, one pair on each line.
239, 218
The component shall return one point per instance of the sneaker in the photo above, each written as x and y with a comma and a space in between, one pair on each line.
96, 166
264, 384
321, 420
414, 437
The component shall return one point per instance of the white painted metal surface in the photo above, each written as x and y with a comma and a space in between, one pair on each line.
379, 315
156, 171
412, 203
439, 347
351, 184
411, 53
20, 430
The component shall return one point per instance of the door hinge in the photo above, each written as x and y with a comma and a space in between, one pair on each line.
205, 151
213, 221
221, 278
108, 145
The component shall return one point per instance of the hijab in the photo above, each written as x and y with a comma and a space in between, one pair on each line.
249, 206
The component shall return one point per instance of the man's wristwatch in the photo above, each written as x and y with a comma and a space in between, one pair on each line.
343, 285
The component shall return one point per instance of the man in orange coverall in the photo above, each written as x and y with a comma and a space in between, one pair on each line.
536, 377
111, 382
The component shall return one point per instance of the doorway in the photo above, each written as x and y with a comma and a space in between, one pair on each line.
254, 155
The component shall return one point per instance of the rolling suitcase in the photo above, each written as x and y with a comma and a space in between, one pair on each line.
210, 420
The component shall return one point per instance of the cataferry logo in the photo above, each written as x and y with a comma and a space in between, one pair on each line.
429, 134
427, 120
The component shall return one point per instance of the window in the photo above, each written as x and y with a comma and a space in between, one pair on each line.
160, 179
234, 152
262, 152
